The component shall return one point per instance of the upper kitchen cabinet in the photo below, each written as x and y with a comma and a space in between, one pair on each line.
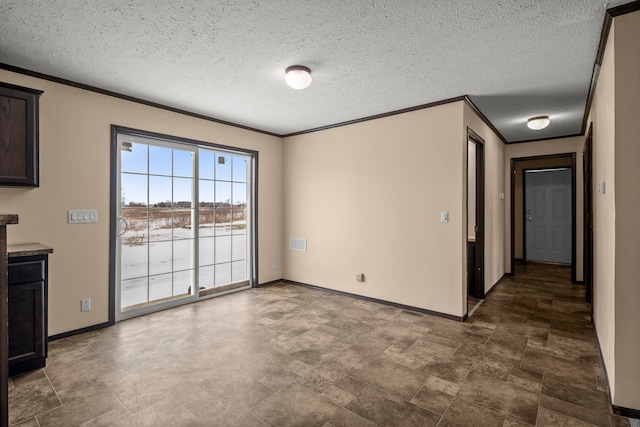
18, 136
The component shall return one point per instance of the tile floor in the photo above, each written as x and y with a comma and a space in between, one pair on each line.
286, 355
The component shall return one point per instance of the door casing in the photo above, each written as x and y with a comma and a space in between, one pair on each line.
513, 162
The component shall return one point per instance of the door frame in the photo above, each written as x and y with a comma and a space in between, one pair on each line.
480, 203
587, 253
113, 203
513, 162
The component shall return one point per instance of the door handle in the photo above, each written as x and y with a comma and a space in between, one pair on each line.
529, 219
126, 227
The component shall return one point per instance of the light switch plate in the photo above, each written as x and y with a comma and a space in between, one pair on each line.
444, 216
82, 216
602, 187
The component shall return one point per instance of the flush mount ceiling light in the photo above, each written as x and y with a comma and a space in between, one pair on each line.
538, 123
298, 76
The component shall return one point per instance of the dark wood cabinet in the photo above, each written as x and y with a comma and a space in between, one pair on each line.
19, 136
27, 313
4, 316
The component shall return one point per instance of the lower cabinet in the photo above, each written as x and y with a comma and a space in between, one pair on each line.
27, 313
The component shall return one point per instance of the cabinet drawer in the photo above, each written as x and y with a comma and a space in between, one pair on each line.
26, 272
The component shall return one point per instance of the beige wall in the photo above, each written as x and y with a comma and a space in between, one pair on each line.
74, 174
626, 196
520, 166
368, 196
542, 148
494, 187
604, 226
616, 151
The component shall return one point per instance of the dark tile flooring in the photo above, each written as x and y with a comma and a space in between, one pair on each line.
286, 355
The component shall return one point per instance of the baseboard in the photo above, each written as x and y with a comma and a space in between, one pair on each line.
273, 282
625, 412
617, 410
504, 276
78, 331
380, 301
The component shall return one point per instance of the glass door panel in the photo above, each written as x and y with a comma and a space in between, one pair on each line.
223, 221
183, 219
156, 206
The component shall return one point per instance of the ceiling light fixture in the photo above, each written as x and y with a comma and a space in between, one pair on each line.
538, 123
298, 76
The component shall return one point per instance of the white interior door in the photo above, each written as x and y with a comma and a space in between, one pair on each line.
548, 215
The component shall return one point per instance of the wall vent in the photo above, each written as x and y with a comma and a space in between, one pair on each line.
296, 244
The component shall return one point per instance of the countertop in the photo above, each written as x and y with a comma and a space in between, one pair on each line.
28, 249
8, 219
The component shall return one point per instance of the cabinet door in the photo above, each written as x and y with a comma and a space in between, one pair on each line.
26, 327
18, 135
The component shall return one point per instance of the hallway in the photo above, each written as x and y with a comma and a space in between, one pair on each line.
285, 355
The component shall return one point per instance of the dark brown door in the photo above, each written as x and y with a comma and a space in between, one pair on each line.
588, 218
477, 281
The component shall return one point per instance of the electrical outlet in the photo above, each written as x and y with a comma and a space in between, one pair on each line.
273, 265
85, 304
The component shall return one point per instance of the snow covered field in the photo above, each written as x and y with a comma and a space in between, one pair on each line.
157, 262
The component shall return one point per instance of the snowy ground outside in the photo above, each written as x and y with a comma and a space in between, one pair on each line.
157, 262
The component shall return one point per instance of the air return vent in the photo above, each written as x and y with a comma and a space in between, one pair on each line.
296, 244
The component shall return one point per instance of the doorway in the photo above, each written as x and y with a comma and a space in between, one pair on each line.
475, 220
518, 211
182, 222
588, 218
547, 221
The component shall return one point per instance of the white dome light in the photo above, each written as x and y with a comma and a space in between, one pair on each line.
298, 76
538, 123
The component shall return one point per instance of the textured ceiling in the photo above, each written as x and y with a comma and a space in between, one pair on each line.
226, 59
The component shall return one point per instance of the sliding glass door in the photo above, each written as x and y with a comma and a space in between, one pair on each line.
223, 238
183, 223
